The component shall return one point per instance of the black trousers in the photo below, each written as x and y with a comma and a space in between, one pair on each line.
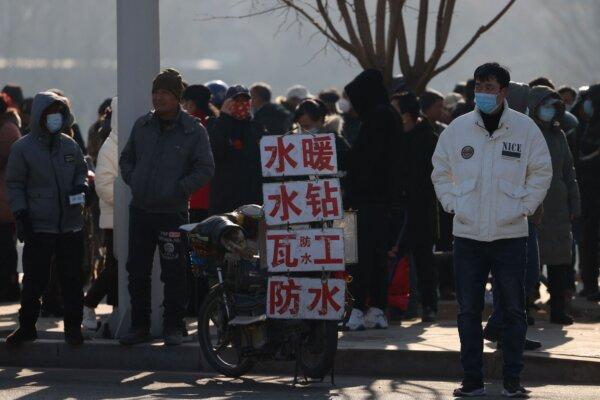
107, 282
427, 281
370, 275
9, 283
67, 249
590, 227
558, 283
146, 231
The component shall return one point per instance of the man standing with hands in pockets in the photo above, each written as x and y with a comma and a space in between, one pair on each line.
492, 169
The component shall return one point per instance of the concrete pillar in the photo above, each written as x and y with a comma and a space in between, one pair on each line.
138, 62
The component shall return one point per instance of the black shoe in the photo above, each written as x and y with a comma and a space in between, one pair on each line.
56, 311
20, 336
470, 389
429, 315
73, 336
173, 336
584, 293
593, 296
491, 334
532, 344
136, 336
529, 344
561, 319
513, 388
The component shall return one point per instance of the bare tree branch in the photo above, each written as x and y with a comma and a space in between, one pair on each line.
476, 36
380, 32
210, 17
360, 52
364, 30
395, 7
403, 57
444, 21
419, 61
323, 10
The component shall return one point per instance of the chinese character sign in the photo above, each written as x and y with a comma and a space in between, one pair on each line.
302, 201
305, 298
295, 155
305, 250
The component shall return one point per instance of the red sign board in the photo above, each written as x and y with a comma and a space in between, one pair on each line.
299, 154
305, 250
302, 201
305, 298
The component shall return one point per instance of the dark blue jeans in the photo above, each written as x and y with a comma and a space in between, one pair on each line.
532, 277
473, 261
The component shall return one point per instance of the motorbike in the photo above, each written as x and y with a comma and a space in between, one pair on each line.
234, 332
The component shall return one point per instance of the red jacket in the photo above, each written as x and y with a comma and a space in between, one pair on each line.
200, 199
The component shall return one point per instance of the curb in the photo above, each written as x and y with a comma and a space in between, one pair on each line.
106, 354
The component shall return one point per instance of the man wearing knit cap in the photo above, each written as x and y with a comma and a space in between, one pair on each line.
166, 159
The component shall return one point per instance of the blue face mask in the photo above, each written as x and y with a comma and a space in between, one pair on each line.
54, 122
588, 108
546, 113
486, 102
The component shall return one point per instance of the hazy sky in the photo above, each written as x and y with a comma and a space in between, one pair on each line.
71, 44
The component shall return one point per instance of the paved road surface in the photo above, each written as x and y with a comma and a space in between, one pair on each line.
98, 384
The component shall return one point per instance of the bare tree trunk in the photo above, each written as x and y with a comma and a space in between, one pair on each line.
376, 46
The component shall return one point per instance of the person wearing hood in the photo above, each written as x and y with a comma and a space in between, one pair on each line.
273, 117
371, 185
491, 169
74, 130
165, 160
47, 181
562, 203
9, 278
351, 126
107, 169
234, 137
588, 167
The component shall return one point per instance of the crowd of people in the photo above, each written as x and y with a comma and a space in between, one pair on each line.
496, 176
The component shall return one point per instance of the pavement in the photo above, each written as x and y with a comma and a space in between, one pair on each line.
40, 383
410, 349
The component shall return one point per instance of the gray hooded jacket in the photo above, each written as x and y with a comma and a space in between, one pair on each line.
562, 199
43, 170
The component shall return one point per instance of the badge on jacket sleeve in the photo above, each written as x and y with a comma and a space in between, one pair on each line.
467, 152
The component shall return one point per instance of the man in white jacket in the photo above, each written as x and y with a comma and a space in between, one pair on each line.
491, 170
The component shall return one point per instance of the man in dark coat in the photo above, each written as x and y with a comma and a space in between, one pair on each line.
274, 118
370, 181
165, 160
421, 205
234, 138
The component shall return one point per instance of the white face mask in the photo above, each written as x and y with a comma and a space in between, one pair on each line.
345, 105
54, 122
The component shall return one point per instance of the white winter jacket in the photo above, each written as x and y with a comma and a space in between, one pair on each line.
107, 168
491, 183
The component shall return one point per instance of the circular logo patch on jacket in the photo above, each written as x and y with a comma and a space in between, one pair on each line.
467, 152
